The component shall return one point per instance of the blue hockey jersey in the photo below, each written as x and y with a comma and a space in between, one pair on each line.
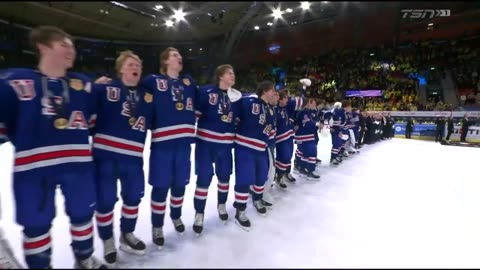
286, 117
355, 120
348, 120
306, 127
273, 132
255, 125
173, 106
46, 119
124, 115
216, 114
339, 119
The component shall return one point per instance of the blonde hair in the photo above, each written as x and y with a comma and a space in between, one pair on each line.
122, 58
220, 71
164, 57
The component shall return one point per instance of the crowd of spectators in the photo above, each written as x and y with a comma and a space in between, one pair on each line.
393, 69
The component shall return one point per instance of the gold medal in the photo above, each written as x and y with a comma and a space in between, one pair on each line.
179, 106
224, 117
76, 84
132, 121
60, 123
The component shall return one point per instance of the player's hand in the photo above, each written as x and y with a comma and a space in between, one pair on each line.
103, 80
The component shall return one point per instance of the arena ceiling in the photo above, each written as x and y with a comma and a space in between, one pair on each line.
145, 21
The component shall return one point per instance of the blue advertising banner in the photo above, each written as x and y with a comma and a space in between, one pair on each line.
427, 130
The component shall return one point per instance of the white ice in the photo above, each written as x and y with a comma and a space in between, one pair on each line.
399, 203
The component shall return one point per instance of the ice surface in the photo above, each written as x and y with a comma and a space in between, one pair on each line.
399, 203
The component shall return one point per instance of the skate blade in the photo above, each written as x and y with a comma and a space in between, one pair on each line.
262, 215
130, 250
224, 222
247, 229
111, 265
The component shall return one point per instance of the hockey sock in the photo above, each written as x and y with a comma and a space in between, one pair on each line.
158, 206
200, 199
176, 202
222, 189
82, 238
104, 223
37, 247
129, 218
241, 197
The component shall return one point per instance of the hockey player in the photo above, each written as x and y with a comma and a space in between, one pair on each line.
317, 115
217, 107
46, 114
124, 116
354, 130
286, 109
267, 198
337, 123
173, 130
305, 137
251, 157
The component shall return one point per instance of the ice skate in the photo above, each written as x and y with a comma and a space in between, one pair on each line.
261, 210
198, 223
89, 263
131, 244
157, 237
222, 212
290, 178
267, 199
109, 251
311, 175
242, 220
179, 226
281, 181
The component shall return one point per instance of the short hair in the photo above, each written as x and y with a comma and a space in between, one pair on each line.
283, 94
310, 99
346, 103
264, 87
122, 58
164, 57
220, 71
45, 35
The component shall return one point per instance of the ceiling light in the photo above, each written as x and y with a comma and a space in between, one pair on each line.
269, 24
257, 27
372, 54
430, 24
201, 49
169, 23
158, 7
325, 2
277, 13
190, 49
179, 15
209, 14
305, 5
289, 10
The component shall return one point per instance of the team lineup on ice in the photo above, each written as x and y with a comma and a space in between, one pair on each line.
100, 164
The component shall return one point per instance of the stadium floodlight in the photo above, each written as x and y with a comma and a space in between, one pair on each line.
257, 27
169, 23
305, 5
179, 15
277, 13
289, 10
